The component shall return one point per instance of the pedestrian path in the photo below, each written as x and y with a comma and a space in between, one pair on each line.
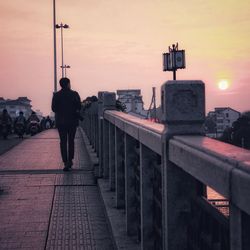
42, 207
6, 145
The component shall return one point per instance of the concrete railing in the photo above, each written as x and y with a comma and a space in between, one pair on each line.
159, 173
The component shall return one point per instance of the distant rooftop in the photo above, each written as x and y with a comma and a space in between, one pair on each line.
23, 100
220, 109
128, 91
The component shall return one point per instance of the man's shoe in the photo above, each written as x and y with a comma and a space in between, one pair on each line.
70, 164
66, 169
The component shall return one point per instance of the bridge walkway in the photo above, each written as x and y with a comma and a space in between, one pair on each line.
42, 207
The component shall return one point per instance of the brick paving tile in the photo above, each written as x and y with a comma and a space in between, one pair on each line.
24, 213
52, 210
75, 179
11, 142
69, 222
32, 154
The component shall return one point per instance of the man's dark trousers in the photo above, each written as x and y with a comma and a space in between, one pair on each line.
66, 104
67, 136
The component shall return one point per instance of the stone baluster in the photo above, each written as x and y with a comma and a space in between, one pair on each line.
119, 168
183, 108
109, 101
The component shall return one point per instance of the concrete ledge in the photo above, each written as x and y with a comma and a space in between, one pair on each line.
116, 218
92, 154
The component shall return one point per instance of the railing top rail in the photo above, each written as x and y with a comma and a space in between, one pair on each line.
147, 132
223, 151
155, 127
224, 167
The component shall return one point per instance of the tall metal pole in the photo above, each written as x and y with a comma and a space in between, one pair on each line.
174, 48
62, 48
54, 31
154, 104
174, 74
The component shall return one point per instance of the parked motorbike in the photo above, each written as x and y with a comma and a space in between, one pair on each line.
20, 129
33, 128
47, 125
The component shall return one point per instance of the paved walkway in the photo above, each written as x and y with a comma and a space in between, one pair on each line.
42, 207
6, 145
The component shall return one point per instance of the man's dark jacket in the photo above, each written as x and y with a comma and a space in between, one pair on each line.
66, 104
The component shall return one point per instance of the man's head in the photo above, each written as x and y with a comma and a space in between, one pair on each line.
65, 83
5, 111
21, 113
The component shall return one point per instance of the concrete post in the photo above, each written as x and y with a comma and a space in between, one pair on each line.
239, 229
183, 108
105, 148
92, 129
119, 169
100, 129
130, 196
108, 104
91, 126
112, 156
147, 158
95, 107
100, 132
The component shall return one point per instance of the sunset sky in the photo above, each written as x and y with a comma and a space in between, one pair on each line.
116, 44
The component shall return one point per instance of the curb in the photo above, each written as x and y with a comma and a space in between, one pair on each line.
115, 217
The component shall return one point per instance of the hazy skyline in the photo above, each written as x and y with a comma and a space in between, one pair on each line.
114, 45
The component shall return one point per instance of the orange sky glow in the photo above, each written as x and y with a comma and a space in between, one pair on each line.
116, 44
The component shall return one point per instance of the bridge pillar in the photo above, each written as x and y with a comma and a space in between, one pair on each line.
95, 122
239, 229
119, 168
111, 156
106, 100
100, 129
131, 201
147, 197
105, 148
183, 108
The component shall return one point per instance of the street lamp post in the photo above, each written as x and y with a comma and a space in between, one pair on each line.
62, 26
54, 35
65, 67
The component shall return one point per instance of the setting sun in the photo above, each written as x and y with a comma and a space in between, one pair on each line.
223, 84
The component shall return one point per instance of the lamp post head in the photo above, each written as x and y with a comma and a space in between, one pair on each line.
65, 66
61, 25
174, 59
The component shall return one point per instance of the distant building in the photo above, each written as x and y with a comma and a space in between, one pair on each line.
223, 118
15, 106
133, 100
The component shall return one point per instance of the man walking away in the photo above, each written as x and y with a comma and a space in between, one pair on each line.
66, 104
